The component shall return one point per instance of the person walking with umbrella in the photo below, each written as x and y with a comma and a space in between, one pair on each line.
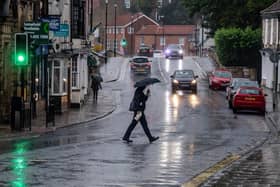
96, 85
138, 105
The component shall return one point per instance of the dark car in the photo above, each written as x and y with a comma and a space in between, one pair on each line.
236, 83
183, 80
174, 51
145, 50
140, 64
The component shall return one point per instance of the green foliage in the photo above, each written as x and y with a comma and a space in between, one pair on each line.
175, 10
145, 6
225, 14
238, 47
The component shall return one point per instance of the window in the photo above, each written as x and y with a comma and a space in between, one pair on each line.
75, 73
59, 74
78, 24
142, 40
108, 44
162, 41
181, 41
130, 30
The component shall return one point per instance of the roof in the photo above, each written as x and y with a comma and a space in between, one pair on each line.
127, 19
166, 29
274, 8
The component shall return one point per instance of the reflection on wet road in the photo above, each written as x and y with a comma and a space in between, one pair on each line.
196, 131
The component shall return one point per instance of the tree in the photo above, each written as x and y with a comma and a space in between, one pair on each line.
222, 14
145, 6
175, 10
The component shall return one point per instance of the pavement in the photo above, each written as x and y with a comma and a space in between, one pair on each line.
88, 112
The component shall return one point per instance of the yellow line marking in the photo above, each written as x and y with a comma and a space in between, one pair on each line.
202, 177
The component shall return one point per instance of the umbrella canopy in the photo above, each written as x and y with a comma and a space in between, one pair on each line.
146, 82
97, 77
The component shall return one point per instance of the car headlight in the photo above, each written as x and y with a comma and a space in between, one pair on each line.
175, 81
167, 51
181, 51
194, 81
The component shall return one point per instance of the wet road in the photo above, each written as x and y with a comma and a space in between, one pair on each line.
196, 131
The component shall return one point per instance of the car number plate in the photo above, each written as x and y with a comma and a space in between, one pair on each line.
250, 99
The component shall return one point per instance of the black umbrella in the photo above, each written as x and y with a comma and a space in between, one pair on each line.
146, 82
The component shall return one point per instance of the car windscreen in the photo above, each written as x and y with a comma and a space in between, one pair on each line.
184, 74
140, 60
250, 91
173, 47
246, 83
222, 74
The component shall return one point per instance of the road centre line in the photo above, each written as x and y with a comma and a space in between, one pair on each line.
205, 175
160, 70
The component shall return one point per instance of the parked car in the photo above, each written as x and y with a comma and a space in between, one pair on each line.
174, 50
157, 53
145, 50
220, 79
235, 84
183, 80
249, 98
140, 64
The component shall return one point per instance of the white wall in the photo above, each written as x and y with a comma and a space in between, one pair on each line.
268, 71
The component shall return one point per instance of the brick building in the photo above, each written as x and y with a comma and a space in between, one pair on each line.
127, 26
160, 36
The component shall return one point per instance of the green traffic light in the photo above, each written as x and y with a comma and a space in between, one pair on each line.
20, 58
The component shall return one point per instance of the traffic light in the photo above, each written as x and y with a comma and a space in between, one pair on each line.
21, 49
123, 42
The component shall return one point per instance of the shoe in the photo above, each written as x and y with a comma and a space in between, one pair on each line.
127, 140
154, 139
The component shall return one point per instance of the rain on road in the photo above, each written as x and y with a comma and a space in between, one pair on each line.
195, 130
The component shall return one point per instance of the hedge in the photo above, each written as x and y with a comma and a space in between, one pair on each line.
237, 47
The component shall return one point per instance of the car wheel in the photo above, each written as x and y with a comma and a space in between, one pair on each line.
234, 110
194, 91
229, 104
181, 57
262, 112
173, 90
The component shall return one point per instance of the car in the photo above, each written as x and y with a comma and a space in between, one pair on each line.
220, 79
174, 50
235, 84
183, 80
140, 64
145, 50
157, 53
249, 98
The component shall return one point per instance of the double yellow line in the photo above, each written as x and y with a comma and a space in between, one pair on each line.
205, 175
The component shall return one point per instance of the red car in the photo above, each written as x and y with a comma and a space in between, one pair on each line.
220, 79
140, 64
249, 98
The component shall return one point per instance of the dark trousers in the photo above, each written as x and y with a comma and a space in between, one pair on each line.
133, 124
95, 94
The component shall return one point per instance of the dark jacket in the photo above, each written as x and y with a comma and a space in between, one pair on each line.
138, 102
95, 83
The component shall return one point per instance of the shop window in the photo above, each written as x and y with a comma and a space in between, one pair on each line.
59, 77
75, 74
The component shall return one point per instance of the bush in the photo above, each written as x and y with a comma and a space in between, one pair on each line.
237, 47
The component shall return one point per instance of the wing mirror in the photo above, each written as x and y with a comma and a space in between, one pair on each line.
196, 76
265, 95
172, 76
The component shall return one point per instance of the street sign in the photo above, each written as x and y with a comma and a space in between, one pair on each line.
274, 57
54, 22
63, 31
38, 31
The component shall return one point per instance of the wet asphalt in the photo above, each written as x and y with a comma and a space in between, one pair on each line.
196, 131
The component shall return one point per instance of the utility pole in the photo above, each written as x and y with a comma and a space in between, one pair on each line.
115, 30
106, 17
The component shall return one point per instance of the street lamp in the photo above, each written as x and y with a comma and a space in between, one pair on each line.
115, 36
106, 12
131, 37
163, 34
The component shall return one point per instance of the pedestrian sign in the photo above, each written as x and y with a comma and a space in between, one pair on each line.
123, 42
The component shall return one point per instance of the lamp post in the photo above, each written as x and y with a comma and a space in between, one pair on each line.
115, 33
131, 37
106, 14
163, 34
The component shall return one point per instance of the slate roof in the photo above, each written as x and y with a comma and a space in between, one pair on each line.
272, 9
